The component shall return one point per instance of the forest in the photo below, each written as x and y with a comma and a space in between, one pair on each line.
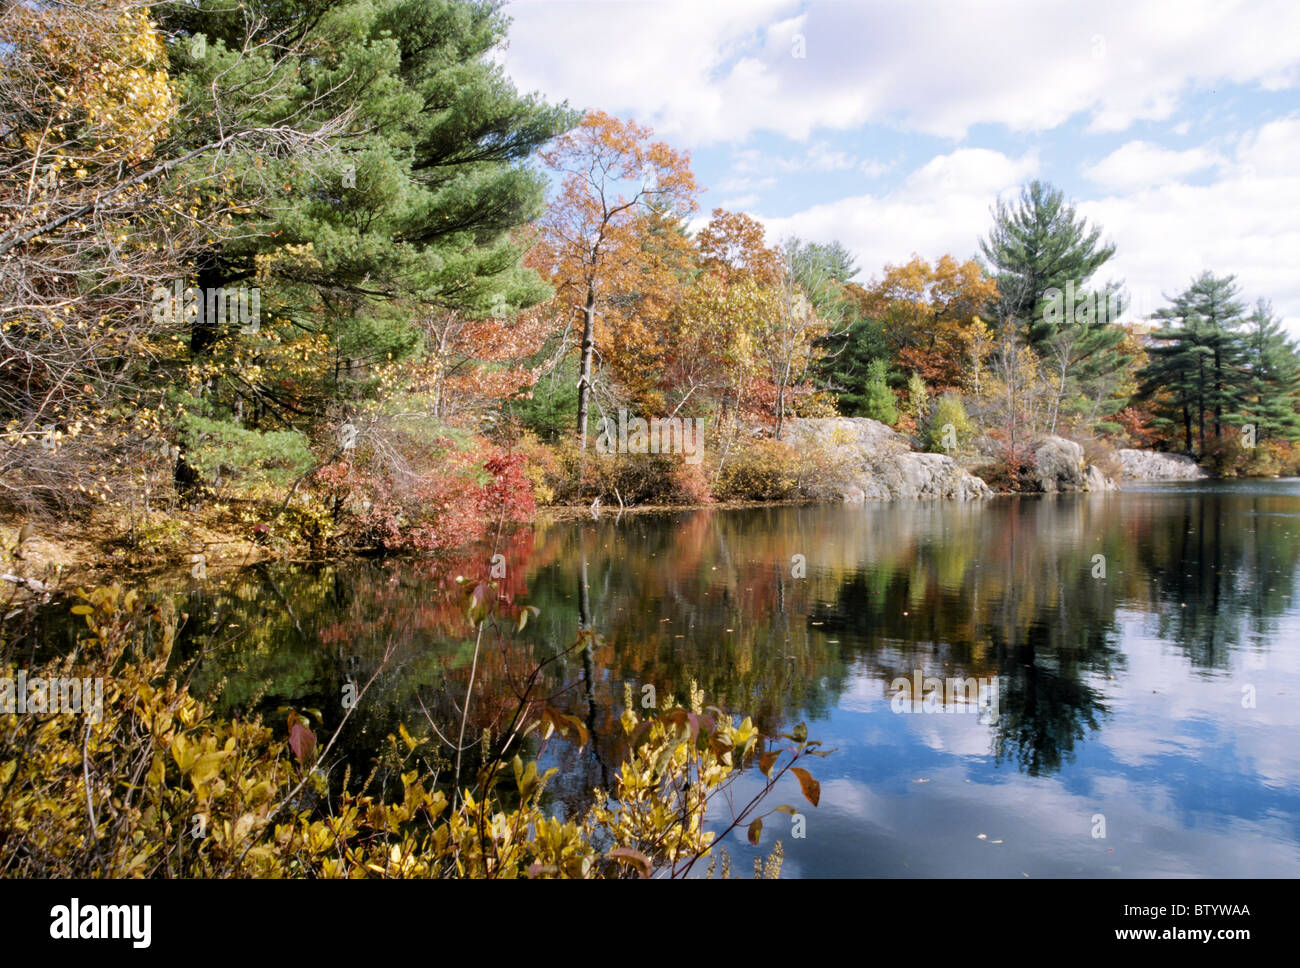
316, 275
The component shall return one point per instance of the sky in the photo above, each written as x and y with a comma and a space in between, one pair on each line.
895, 126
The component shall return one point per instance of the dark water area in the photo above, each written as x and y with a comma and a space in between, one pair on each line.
1137, 653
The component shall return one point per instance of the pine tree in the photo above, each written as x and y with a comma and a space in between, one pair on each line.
1198, 360
844, 363
1044, 257
1036, 246
420, 181
1272, 389
878, 400
1085, 351
1172, 380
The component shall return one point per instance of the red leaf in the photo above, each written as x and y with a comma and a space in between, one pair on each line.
302, 741
812, 790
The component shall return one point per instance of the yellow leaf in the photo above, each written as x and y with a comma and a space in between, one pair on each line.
207, 766
406, 737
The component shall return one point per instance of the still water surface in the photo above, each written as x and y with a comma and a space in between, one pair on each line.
1153, 692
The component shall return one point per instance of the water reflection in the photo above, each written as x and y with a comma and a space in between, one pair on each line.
1123, 631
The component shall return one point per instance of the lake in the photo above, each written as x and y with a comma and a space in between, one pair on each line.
1138, 654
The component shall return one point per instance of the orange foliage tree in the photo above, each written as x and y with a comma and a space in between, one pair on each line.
611, 242
735, 245
471, 365
714, 327
928, 312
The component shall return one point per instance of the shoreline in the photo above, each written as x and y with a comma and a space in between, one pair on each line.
60, 555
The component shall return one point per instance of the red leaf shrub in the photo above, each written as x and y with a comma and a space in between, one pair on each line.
1012, 469
431, 510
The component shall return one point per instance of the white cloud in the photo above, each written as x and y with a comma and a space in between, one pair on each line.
820, 157
740, 183
1141, 164
740, 202
941, 207
874, 168
723, 70
1243, 222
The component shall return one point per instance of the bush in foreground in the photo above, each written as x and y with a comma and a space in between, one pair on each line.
154, 786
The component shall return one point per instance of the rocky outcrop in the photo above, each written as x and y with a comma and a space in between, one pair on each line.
1059, 465
1151, 465
1095, 480
874, 463
1060, 468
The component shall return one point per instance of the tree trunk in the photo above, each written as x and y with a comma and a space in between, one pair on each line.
780, 393
584, 378
203, 330
1218, 394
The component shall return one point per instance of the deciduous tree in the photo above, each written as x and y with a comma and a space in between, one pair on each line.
595, 235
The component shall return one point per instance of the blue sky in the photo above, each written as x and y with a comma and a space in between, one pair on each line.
894, 126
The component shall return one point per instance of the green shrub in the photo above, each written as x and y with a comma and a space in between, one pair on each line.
878, 401
230, 457
947, 412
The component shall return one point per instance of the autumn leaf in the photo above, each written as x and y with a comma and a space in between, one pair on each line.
631, 857
812, 790
302, 741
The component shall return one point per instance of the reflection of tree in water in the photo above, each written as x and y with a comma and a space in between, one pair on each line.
1223, 567
1046, 706
999, 588
1007, 593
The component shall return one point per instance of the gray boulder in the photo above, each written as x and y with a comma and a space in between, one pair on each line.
1061, 468
1151, 465
1059, 465
1095, 480
876, 463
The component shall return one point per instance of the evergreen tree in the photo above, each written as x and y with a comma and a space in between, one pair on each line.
878, 400
1085, 352
420, 182
845, 361
1044, 256
1197, 362
822, 271
1173, 379
1037, 245
1272, 388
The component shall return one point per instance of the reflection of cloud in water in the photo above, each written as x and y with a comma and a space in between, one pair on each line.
1201, 716
1045, 831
